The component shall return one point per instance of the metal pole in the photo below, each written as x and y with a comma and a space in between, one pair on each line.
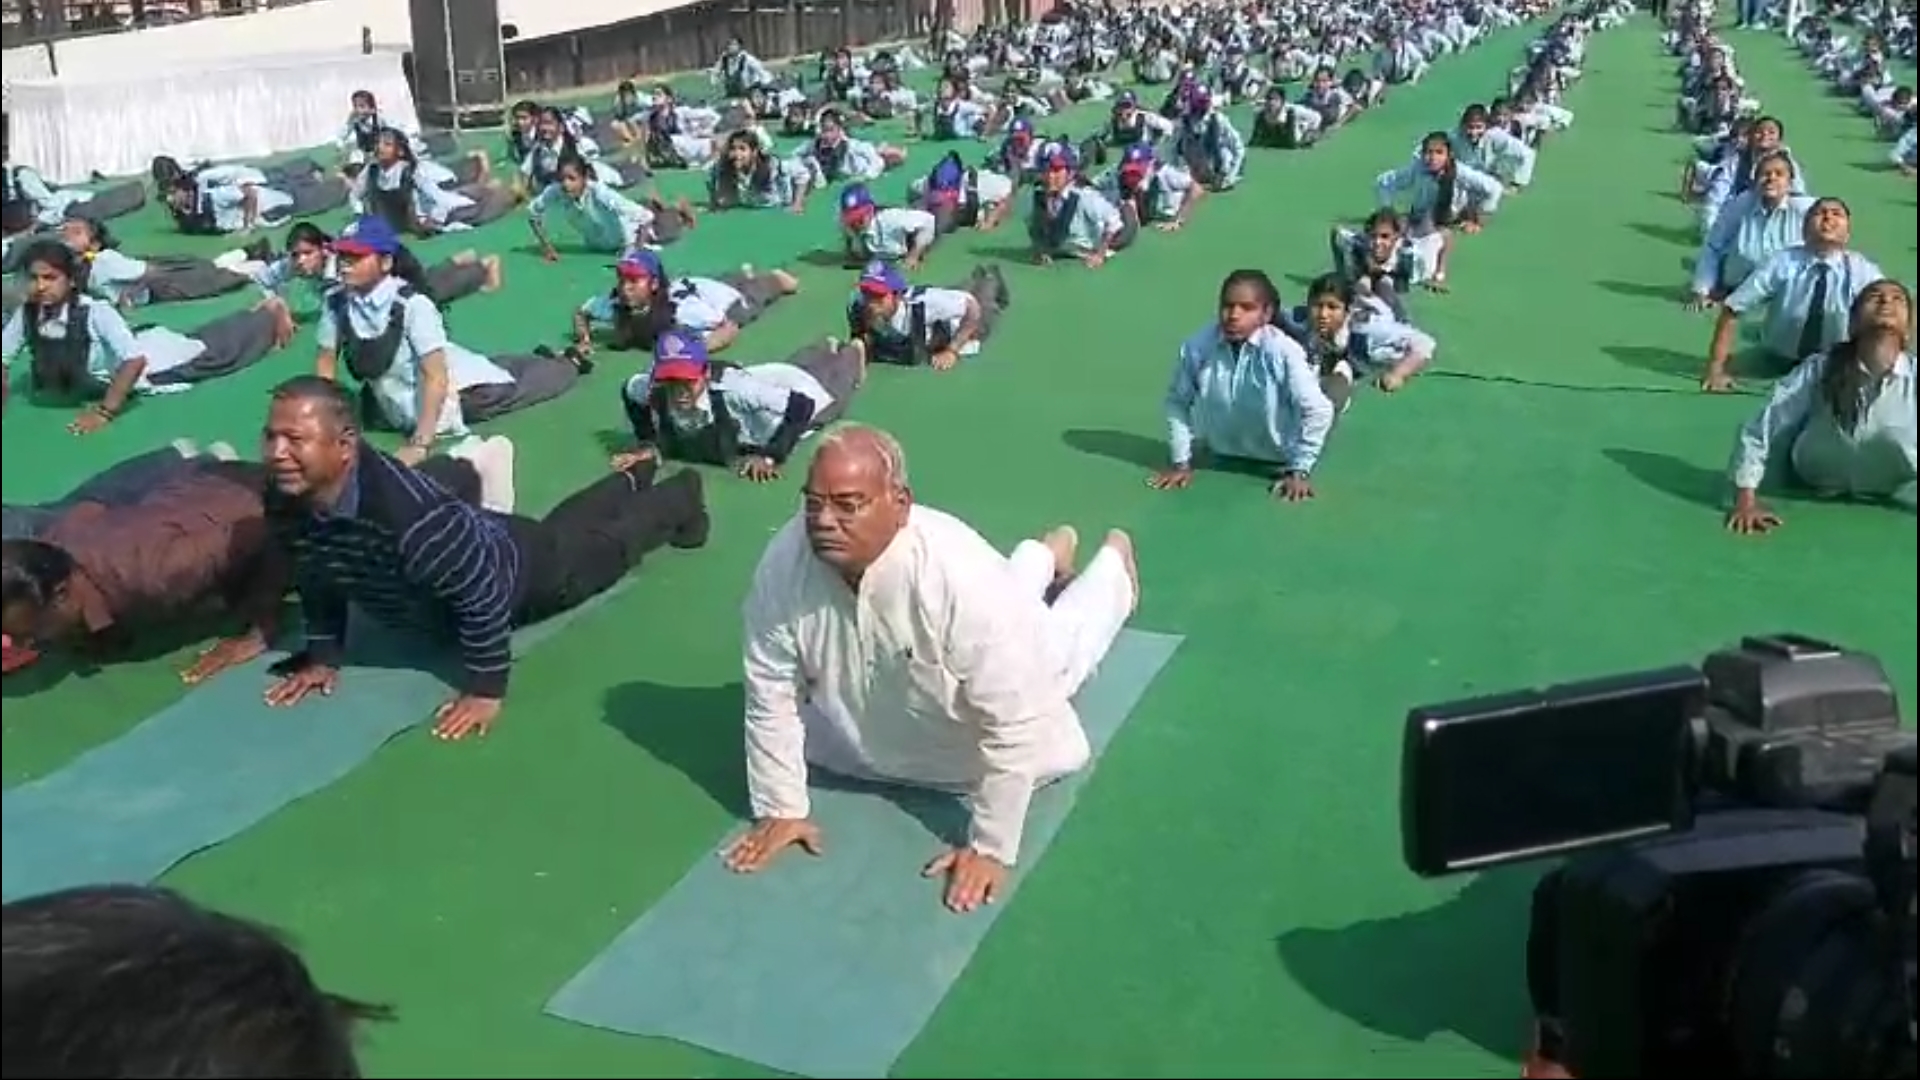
453, 73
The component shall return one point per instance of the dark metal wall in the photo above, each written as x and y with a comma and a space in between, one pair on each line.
689, 38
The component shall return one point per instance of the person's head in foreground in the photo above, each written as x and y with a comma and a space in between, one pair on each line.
310, 439
856, 499
114, 981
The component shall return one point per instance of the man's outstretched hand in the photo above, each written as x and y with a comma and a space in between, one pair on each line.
763, 843
973, 879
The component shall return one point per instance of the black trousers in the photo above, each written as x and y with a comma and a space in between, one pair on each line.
589, 542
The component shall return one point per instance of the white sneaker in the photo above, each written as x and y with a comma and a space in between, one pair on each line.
223, 451
186, 448
501, 454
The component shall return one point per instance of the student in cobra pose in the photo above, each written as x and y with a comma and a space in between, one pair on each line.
894, 323
603, 219
644, 303
1350, 338
1442, 194
1242, 388
82, 349
421, 197
901, 234
1379, 261
1151, 192
1070, 219
1843, 422
219, 200
748, 175
748, 418
128, 282
394, 342
295, 285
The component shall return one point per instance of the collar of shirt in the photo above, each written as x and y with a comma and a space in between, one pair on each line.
375, 301
348, 504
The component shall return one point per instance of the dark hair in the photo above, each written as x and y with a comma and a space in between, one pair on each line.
32, 572
132, 981
328, 396
306, 232
1334, 285
1843, 377
1258, 281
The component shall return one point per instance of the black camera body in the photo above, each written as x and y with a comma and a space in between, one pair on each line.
1750, 911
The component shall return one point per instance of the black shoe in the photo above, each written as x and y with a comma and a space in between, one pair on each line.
691, 487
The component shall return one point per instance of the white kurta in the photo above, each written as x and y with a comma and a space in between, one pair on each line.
947, 670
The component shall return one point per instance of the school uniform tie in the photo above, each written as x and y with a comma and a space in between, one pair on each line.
1813, 332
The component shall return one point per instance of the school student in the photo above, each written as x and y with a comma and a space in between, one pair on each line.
1802, 293
156, 279
1843, 422
1766, 219
750, 176
645, 302
1380, 262
1070, 219
46, 205
394, 342
870, 231
750, 418
1350, 339
414, 196
1151, 192
219, 200
295, 284
81, 348
1242, 388
895, 323
603, 219
1441, 194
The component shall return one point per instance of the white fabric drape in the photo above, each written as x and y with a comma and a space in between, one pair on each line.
71, 127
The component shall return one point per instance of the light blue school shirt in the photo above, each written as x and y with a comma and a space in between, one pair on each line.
1903, 151
110, 342
1745, 236
605, 219
700, 304
1720, 185
740, 71
1876, 458
1400, 64
1260, 400
50, 205
1473, 190
398, 391
1095, 220
1167, 191
1213, 138
1499, 153
1784, 285
302, 293
942, 311
114, 277
428, 200
783, 179
896, 229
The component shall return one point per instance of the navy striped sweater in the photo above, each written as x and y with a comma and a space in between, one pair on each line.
412, 555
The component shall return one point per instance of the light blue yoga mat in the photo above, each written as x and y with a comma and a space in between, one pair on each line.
830, 967
217, 761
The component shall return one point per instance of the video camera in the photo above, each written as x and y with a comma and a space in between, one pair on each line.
1752, 912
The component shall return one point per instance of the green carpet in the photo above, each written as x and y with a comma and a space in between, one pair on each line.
1227, 900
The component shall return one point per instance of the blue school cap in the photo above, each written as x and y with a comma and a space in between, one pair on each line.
368, 234
679, 356
949, 175
640, 263
854, 198
882, 279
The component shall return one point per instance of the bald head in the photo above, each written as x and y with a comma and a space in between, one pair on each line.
857, 498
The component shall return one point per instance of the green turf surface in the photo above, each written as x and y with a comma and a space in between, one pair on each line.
1227, 899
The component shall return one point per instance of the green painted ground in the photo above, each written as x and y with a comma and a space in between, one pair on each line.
1227, 900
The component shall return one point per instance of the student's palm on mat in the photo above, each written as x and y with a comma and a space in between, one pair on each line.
224, 654
768, 838
465, 715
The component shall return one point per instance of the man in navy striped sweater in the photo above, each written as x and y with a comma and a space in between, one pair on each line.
366, 529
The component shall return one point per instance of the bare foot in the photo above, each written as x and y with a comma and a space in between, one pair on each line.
496, 273
1064, 543
1122, 545
785, 282
687, 217
483, 163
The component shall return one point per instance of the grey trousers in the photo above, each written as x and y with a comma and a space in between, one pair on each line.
535, 379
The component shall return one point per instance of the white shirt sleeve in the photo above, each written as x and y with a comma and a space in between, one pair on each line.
776, 739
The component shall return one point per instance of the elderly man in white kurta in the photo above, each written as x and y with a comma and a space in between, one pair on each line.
887, 641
